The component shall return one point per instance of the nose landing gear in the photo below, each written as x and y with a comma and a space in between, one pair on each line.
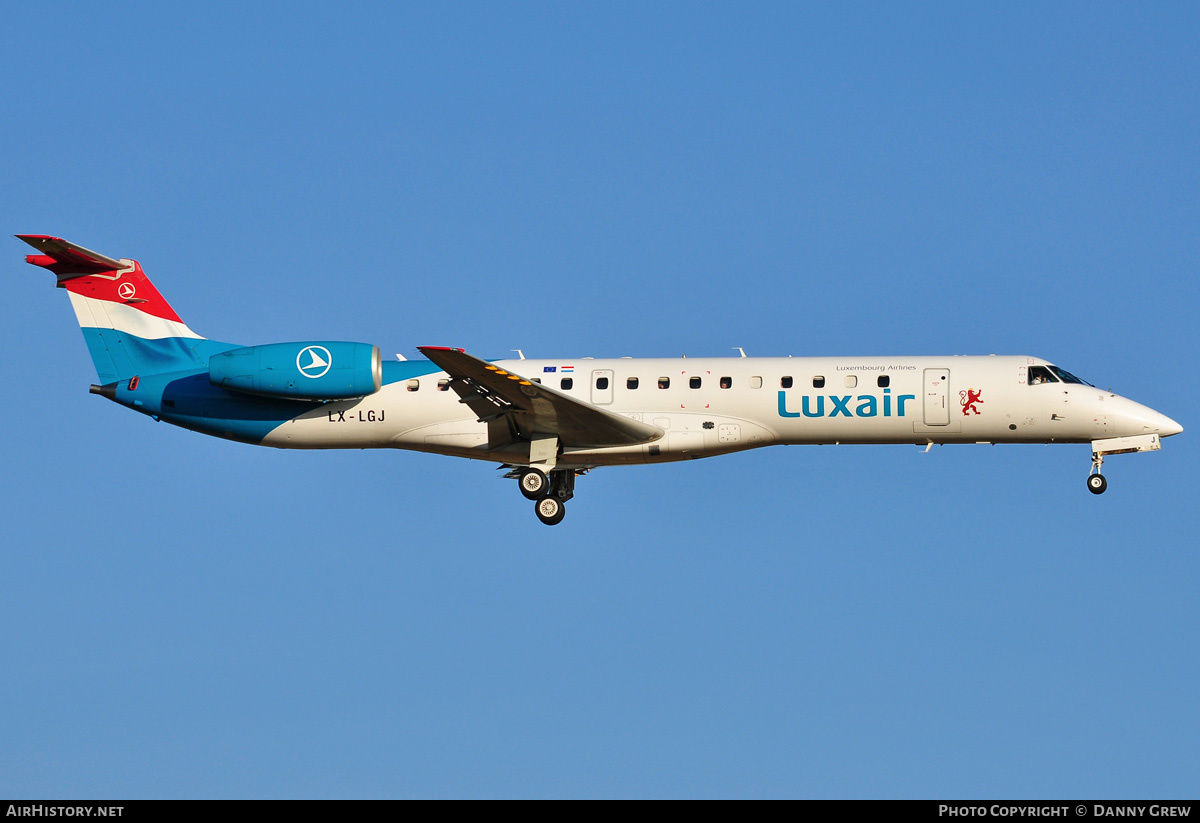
1096, 483
1117, 445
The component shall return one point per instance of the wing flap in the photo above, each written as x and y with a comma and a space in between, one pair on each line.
532, 410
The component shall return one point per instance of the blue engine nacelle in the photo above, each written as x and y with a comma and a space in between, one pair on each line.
300, 371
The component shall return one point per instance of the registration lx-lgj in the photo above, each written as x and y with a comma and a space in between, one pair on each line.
549, 421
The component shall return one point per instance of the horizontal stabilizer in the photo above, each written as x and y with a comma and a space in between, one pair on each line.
65, 258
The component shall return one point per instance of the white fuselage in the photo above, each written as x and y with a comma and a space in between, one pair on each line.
710, 406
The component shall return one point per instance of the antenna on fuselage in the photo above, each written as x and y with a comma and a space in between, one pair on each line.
740, 350
518, 351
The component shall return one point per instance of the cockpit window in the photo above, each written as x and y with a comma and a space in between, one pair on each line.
1067, 377
1039, 375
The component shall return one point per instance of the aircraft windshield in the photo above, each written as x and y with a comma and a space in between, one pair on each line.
1067, 377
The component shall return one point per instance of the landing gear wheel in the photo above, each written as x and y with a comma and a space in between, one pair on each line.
550, 510
534, 484
1096, 483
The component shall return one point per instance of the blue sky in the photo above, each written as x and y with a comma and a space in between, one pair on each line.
187, 617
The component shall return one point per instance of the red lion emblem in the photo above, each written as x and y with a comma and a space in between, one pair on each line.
970, 400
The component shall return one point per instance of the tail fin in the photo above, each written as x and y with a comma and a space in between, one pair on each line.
129, 328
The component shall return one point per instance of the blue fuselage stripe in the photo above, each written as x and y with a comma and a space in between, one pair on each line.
173, 385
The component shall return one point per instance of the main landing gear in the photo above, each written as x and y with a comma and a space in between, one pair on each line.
534, 483
549, 493
550, 510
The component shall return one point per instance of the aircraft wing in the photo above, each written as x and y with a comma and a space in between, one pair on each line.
532, 410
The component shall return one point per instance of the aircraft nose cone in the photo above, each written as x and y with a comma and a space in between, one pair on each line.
1167, 426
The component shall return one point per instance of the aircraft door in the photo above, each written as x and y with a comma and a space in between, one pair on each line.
937, 407
602, 386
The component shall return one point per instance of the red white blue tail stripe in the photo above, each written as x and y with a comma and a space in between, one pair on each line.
129, 327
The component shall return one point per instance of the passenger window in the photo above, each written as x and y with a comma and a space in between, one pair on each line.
785, 382
631, 383
726, 382
694, 382
851, 381
566, 383
601, 383
442, 385
756, 382
819, 382
537, 380
883, 381
413, 385
1039, 375
664, 382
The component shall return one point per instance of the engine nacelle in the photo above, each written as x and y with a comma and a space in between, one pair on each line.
300, 371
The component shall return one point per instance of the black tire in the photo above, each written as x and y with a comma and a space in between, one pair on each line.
550, 510
1096, 483
534, 484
